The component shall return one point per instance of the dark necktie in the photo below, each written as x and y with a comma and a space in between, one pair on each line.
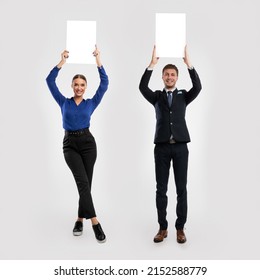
169, 93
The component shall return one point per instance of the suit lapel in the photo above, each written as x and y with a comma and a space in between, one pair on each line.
165, 99
174, 94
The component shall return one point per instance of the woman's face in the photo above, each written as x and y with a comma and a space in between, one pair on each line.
79, 86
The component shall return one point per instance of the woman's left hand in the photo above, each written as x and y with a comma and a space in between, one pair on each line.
96, 53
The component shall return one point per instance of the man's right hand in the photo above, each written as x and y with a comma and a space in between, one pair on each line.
154, 59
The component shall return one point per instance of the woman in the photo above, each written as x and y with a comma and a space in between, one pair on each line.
79, 145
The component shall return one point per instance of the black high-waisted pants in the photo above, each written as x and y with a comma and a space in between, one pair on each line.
80, 154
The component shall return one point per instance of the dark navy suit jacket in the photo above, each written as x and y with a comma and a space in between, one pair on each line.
170, 121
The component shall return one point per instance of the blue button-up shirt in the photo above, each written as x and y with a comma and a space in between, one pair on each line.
75, 117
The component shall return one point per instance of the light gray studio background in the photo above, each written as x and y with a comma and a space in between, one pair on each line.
38, 196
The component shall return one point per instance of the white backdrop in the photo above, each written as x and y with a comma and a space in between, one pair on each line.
38, 196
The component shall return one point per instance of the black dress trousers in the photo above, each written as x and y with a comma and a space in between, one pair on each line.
164, 154
80, 153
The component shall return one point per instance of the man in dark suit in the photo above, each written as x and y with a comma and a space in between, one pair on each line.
171, 138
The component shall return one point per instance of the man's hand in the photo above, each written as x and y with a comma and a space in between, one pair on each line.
154, 59
186, 58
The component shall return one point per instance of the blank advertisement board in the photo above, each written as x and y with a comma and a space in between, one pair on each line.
170, 34
81, 41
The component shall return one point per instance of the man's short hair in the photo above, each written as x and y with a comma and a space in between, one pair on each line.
170, 66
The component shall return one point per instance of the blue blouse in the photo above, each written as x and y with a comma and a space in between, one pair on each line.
75, 117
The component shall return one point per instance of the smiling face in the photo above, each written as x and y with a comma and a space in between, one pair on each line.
79, 86
170, 77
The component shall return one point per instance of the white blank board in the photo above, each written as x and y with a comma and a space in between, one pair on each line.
170, 34
81, 41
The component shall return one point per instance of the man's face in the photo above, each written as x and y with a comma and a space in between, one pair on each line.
170, 78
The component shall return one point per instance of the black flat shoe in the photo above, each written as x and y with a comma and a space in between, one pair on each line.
100, 235
78, 228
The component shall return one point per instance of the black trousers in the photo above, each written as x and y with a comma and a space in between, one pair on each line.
80, 153
178, 154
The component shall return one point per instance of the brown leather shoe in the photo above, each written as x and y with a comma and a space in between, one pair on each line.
160, 235
181, 238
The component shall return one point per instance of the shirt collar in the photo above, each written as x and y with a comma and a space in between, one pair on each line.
171, 90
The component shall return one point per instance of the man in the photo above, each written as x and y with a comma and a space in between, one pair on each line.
171, 138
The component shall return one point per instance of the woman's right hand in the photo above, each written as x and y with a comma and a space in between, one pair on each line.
64, 57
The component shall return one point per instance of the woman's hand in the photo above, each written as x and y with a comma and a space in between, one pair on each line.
96, 53
64, 57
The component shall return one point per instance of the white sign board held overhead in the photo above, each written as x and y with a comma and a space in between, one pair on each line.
81, 41
170, 34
